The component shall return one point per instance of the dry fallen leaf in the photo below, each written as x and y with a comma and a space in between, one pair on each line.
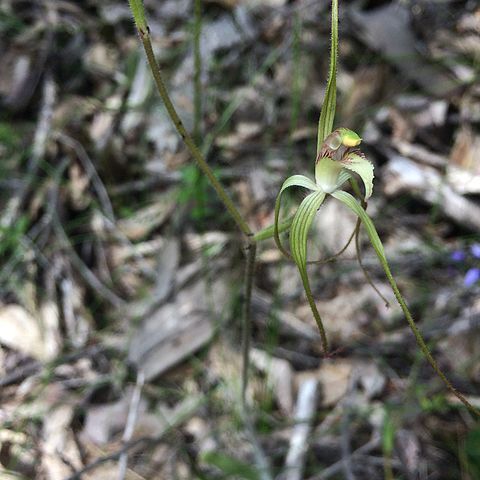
21, 331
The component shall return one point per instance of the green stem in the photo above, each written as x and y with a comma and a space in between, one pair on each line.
316, 314
350, 201
194, 151
199, 193
246, 317
420, 341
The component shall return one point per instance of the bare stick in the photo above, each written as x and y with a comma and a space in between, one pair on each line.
304, 413
177, 420
39, 147
130, 425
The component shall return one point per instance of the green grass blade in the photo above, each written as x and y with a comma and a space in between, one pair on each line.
293, 181
327, 115
298, 245
351, 203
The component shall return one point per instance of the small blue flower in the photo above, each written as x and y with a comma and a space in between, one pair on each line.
475, 250
458, 256
471, 277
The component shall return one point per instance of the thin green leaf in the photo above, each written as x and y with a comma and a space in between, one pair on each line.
364, 168
327, 115
138, 11
351, 203
293, 181
298, 245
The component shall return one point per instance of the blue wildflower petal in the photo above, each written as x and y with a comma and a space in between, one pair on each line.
475, 250
457, 256
471, 277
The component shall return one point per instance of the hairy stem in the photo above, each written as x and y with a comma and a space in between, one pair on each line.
350, 202
192, 147
420, 341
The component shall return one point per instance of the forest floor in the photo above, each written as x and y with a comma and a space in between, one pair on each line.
121, 274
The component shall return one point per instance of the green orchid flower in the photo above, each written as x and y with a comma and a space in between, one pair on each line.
338, 161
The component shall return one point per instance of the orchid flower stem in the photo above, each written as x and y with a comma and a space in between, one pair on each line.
420, 341
142, 27
247, 316
351, 203
192, 147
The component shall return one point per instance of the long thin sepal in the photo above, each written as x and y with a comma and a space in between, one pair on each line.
298, 245
293, 181
351, 203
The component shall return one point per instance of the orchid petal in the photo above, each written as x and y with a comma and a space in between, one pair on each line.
298, 245
363, 167
327, 172
293, 181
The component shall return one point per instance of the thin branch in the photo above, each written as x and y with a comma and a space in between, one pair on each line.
130, 425
84, 271
40, 140
144, 442
334, 469
299, 441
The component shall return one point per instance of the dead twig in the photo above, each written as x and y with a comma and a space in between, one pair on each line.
305, 411
49, 95
144, 442
130, 425
337, 467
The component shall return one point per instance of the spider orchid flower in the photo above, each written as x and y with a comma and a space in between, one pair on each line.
339, 159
